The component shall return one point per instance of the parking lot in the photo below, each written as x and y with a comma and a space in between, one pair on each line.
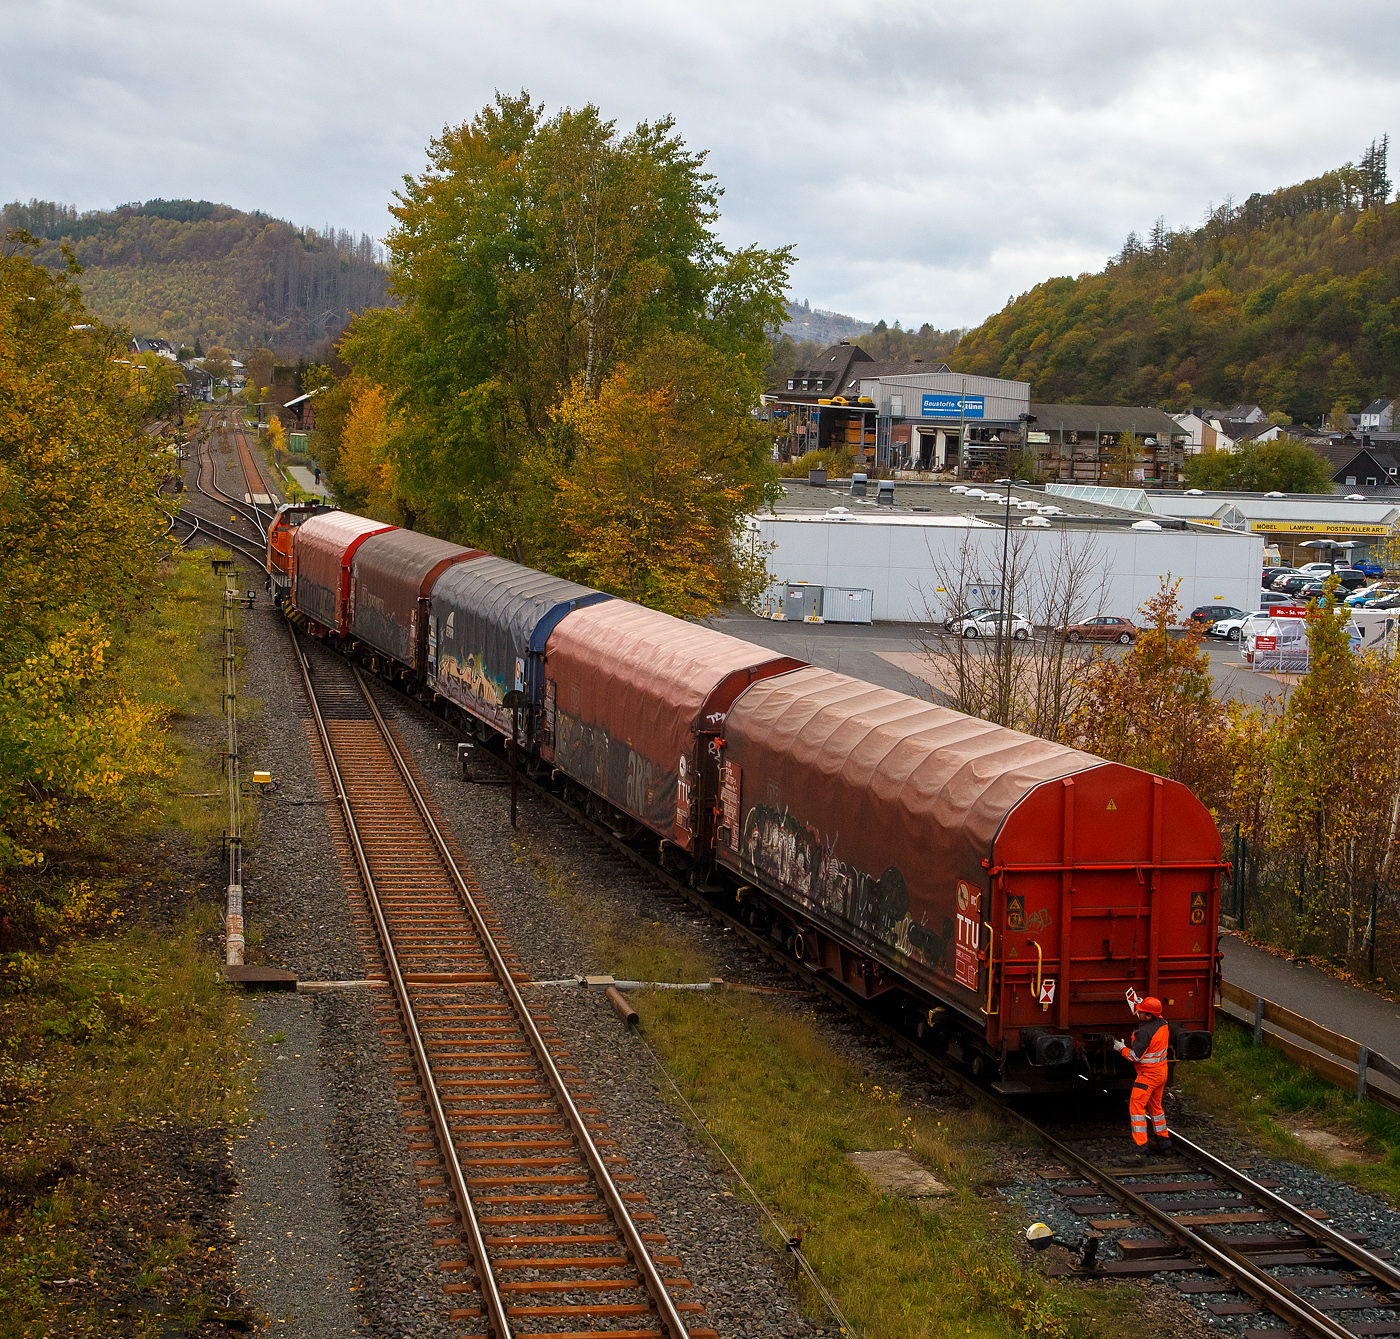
894, 655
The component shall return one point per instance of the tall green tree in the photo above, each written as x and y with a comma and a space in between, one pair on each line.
533, 254
1283, 466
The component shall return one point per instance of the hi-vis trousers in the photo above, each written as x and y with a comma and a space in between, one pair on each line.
1145, 1102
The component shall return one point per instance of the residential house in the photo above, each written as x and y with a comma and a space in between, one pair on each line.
160, 347
1378, 416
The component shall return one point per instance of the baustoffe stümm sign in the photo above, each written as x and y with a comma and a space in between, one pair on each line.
936, 405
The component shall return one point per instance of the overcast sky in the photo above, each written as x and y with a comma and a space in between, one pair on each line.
926, 164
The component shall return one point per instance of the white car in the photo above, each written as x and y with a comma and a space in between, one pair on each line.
990, 623
1239, 629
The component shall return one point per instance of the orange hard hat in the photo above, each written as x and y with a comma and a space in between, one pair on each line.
1150, 1005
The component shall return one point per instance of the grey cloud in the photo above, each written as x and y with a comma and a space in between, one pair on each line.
924, 163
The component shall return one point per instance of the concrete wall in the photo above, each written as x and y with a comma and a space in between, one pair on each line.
898, 559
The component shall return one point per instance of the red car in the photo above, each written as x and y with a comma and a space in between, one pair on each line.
1107, 629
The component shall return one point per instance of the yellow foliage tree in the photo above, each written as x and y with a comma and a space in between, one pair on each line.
364, 462
668, 466
275, 436
78, 528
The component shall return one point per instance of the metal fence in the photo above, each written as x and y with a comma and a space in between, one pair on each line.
1282, 899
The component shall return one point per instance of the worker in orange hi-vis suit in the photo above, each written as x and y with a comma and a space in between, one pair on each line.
1147, 1050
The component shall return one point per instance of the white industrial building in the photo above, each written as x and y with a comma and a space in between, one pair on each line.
902, 552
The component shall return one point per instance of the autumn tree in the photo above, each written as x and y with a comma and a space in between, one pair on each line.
78, 527
534, 255
668, 464
259, 365
1336, 784
1153, 706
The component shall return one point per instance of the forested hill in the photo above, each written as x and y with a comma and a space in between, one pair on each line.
187, 270
1290, 301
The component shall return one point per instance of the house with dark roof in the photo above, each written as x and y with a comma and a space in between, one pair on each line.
1371, 467
160, 347
1378, 416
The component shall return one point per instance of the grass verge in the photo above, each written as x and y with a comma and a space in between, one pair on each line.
123, 1057
1259, 1092
787, 1109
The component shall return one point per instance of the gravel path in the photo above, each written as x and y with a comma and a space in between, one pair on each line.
292, 1263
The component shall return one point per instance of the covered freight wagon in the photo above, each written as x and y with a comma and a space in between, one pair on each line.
321, 557
488, 622
631, 699
1018, 887
392, 575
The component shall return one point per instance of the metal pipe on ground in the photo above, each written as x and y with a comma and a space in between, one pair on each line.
620, 1006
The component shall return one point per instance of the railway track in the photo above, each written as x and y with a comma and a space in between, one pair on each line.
514, 1159
249, 511
1288, 1264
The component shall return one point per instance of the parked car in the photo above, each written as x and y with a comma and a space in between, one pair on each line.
1203, 615
980, 612
1371, 569
1234, 629
992, 623
1386, 602
1294, 582
1316, 567
1110, 628
1363, 595
1272, 574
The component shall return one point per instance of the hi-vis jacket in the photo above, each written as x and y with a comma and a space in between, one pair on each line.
1147, 1047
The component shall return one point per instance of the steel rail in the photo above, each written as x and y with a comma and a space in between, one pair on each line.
493, 1303
1289, 1213
634, 1246
249, 512
225, 537
1238, 1269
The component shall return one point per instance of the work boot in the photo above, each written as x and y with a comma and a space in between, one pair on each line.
1164, 1145
1138, 1157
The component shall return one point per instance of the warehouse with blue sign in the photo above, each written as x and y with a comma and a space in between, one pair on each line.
918, 417
938, 421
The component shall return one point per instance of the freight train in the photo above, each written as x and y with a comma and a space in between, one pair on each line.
1000, 895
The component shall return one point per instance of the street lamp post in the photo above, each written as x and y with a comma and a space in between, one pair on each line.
1005, 615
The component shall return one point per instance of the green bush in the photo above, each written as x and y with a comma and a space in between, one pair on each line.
835, 462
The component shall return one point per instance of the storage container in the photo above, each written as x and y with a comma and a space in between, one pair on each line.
802, 603
847, 604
